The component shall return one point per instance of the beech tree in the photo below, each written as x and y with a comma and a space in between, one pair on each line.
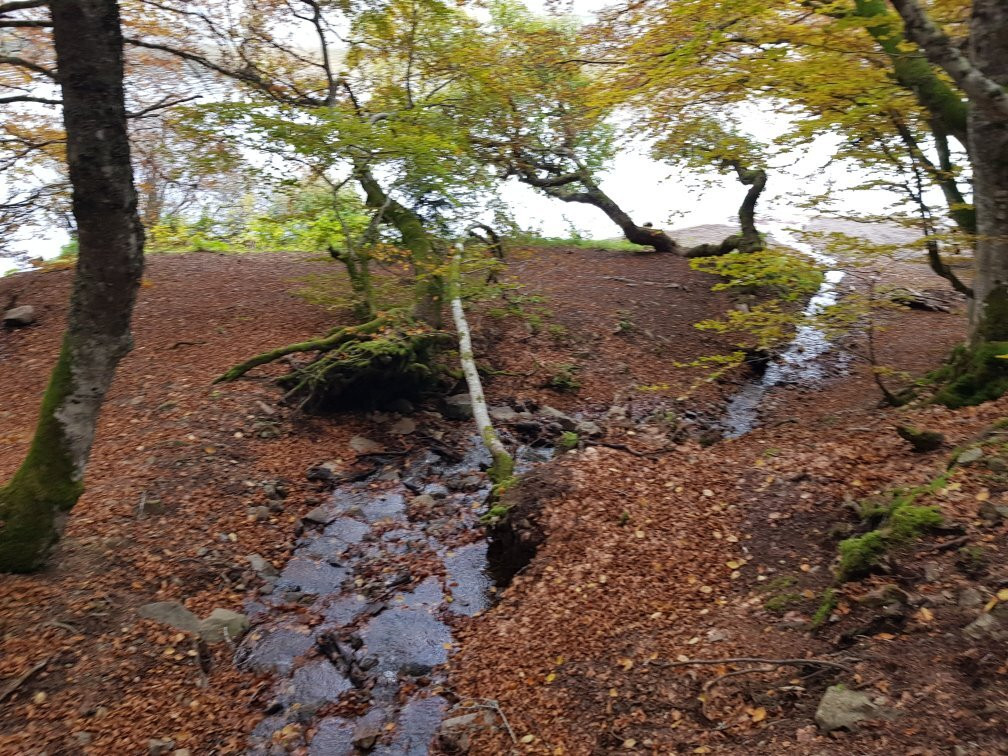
89, 68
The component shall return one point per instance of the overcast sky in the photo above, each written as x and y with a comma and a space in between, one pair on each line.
651, 191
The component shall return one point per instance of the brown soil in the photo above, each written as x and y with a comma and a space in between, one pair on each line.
634, 574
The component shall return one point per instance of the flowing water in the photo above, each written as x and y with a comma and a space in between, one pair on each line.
799, 363
360, 617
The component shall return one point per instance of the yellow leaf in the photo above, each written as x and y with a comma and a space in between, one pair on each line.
925, 614
758, 715
629, 743
639, 533
527, 738
1001, 356
983, 495
1003, 594
735, 563
702, 749
885, 636
613, 693
551, 677
627, 664
990, 604
559, 661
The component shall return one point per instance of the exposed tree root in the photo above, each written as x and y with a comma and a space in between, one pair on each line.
386, 357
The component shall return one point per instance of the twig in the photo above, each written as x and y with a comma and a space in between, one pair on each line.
177, 344
946, 545
494, 706
18, 682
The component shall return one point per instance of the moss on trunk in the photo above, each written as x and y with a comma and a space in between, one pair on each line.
44, 488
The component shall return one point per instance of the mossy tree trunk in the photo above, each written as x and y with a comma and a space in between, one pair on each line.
424, 254
35, 502
978, 372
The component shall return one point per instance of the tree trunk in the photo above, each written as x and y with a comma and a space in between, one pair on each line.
988, 50
35, 503
503, 463
429, 293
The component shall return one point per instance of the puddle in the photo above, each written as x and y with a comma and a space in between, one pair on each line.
363, 607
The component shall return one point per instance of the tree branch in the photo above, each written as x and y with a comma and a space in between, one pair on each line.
940, 50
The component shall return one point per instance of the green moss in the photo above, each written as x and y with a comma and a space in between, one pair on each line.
567, 441
564, 380
44, 487
973, 375
858, 555
826, 607
782, 602
779, 583
903, 522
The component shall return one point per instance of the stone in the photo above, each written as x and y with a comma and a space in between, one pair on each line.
159, 746
997, 464
588, 428
363, 445
883, 596
181, 752
403, 426
970, 455
19, 317
402, 406
842, 708
455, 733
458, 407
970, 598
259, 513
562, 419
368, 729
223, 624
992, 512
921, 441
932, 571
261, 566
275, 489
321, 516
986, 626
171, 613
503, 414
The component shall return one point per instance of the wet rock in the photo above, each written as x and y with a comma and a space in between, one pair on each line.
415, 669
455, 734
261, 566
841, 708
458, 407
171, 613
565, 421
363, 445
436, 490
274, 650
321, 516
403, 426
19, 317
588, 428
368, 729
311, 577
529, 427
334, 738
921, 441
223, 624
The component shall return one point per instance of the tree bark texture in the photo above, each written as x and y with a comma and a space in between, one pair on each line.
35, 503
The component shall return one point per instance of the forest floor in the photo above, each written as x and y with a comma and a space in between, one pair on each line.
673, 551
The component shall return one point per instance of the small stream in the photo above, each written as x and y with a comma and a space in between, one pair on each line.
357, 622
799, 364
